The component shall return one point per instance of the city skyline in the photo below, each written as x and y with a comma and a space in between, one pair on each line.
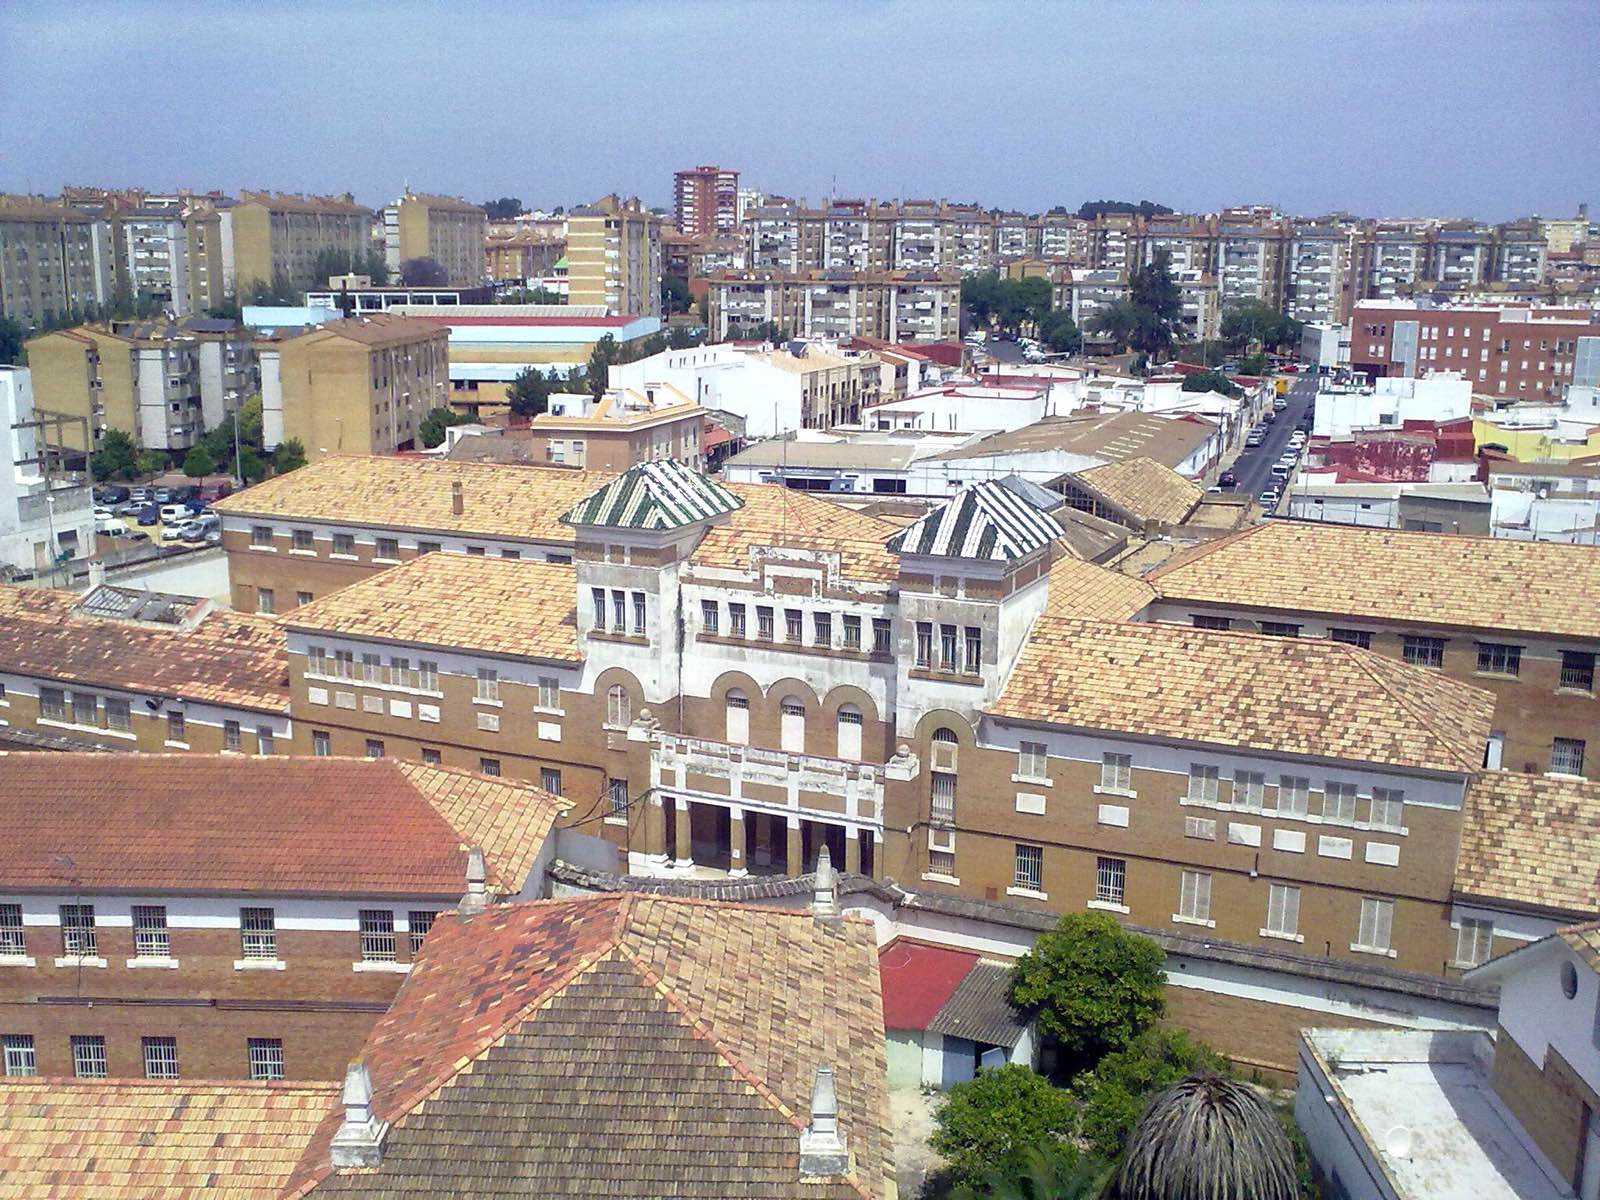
1314, 132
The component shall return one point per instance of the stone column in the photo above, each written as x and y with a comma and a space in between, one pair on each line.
655, 832
737, 867
795, 863
852, 849
685, 850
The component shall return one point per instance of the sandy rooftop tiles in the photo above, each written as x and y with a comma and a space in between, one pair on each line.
134, 1139
1144, 488
229, 658
517, 608
780, 516
410, 493
1281, 695
1532, 840
1418, 579
1082, 589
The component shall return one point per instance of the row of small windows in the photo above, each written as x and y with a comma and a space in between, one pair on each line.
89, 711
398, 672
957, 648
384, 549
792, 725
823, 626
263, 1056
258, 932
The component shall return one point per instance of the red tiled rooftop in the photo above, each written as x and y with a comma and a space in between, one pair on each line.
918, 980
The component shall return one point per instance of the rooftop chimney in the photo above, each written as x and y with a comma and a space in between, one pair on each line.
822, 1148
457, 504
824, 900
359, 1141
477, 897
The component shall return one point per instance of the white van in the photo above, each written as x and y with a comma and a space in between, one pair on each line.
1281, 470
110, 527
175, 514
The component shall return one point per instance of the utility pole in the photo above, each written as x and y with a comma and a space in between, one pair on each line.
238, 470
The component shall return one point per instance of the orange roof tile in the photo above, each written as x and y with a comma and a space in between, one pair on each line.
1531, 840
1144, 488
779, 516
1082, 589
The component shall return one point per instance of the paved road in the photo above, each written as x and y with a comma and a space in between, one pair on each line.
1254, 467
1002, 352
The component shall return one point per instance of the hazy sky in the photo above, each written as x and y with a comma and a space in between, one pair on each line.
1454, 107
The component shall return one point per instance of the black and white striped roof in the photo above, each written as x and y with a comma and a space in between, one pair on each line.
656, 495
984, 521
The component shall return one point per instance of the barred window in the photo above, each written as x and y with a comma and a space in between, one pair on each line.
619, 611
160, 1057
387, 547
822, 629
974, 650
1352, 637
151, 938
1293, 794
1030, 867
598, 596
1280, 629
1497, 658
321, 744
1111, 880
420, 921
1194, 895
77, 929
852, 632
617, 794
13, 937
302, 540
793, 626
942, 803
374, 748
118, 714
177, 727
52, 704
550, 780
1338, 801
881, 630
230, 735
489, 766
1207, 621
265, 1057
88, 1056
1577, 670
709, 611
261, 535
638, 612
736, 620
924, 643
942, 862
945, 747
1388, 808
344, 543
19, 1057
85, 708
258, 933
1423, 651
947, 648
1566, 756
764, 623
377, 935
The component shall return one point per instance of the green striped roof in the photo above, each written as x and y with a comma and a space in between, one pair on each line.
657, 495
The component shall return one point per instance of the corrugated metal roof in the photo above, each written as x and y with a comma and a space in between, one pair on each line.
658, 495
986, 520
980, 1009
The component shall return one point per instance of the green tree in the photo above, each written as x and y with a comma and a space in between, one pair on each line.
152, 462
376, 268
503, 209
1211, 381
1115, 1091
1058, 331
979, 294
117, 457
1249, 323
1115, 322
675, 296
1208, 1136
1158, 306
1092, 985
431, 432
529, 392
198, 463
997, 1113
1254, 364
289, 456
601, 359
423, 272
1039, 1174
681, 337
11, 338
228, 310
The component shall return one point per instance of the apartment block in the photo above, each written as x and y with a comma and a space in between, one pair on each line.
163, 383
449, 230
46, 512
614, 257
54, 260
706, 201
273, 236
895, 306
357, 386
524, 255
625, 427
211, 916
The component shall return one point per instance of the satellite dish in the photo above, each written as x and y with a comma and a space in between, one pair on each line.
1397, 1142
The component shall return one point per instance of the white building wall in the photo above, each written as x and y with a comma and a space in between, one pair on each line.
1536, 1012
1391, 402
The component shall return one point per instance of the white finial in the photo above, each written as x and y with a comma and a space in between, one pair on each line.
358, 1142
824, 901
477, 897
822, 1147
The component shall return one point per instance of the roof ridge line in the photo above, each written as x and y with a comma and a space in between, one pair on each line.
1202, 550
1426, 719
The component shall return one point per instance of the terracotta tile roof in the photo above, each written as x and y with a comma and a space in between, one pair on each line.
666, 1045
1082, 589
182, 823
778, 516
984, 521
1531, 840
1143, 488
1112, 437
377, 491
519, 608
135, 1139
375, 329
1585, 940
1281, 695
228, 658
1419, 579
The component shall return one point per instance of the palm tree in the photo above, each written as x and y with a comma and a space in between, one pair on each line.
1040, 1175
1208, 1138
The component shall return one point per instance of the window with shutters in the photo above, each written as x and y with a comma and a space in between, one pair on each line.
1194, 896
849, 732
1377, 919
619, 708
792, 726
737, 718
1283, 911
1203, 783
1474, 942
1338, 801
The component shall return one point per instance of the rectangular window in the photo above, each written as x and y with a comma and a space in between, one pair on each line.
792, 625
1294, 792
1352, 637
176, 727
792, 727
372, 668
400, 672
736, 624
1029, 868
264, 739
230, 735
19, 1057
1338, 801
619, 611
1200, 827
428, 548
1474, 942
1377, 917
316, 661
52, 704
549, 692
344, 543
822, 629
489, 766
550, 780
764, 623
85, 708
387, 548
475, 551
488, 684
708, 615
77, 930
374, 748
320, 746
598, 595
151, 939
1497, 658
1280, 629
1116, 772
638, 612
1566, 756
1203, 782
303, 540
924, 643
261, 535
947, 648
377, 934
1249, 789
1423, 651
1194, 896
942, 862
420, 921
1577, 670
258, 933
88, 1056
617, 794
880, 635
427, 675
1283, 910
1033, 760
265, 1058
118, 714
974, 650
160, 1057
510, 553
852, 632
1205, 621
942, 800
1388, 809
431, 756
1111, 880
13, 937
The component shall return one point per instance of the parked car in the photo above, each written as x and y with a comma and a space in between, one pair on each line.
1254, 438
138, 535
201, 528
149, 515
212, 492
174, 533
1279, 404
129, 508
1281, 470
1269, 498
1228, 479
103, 514
111, 527
109, 494
141, 495
163, 495
175, 511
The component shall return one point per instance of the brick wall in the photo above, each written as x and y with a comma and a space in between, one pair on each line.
1547, 1102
